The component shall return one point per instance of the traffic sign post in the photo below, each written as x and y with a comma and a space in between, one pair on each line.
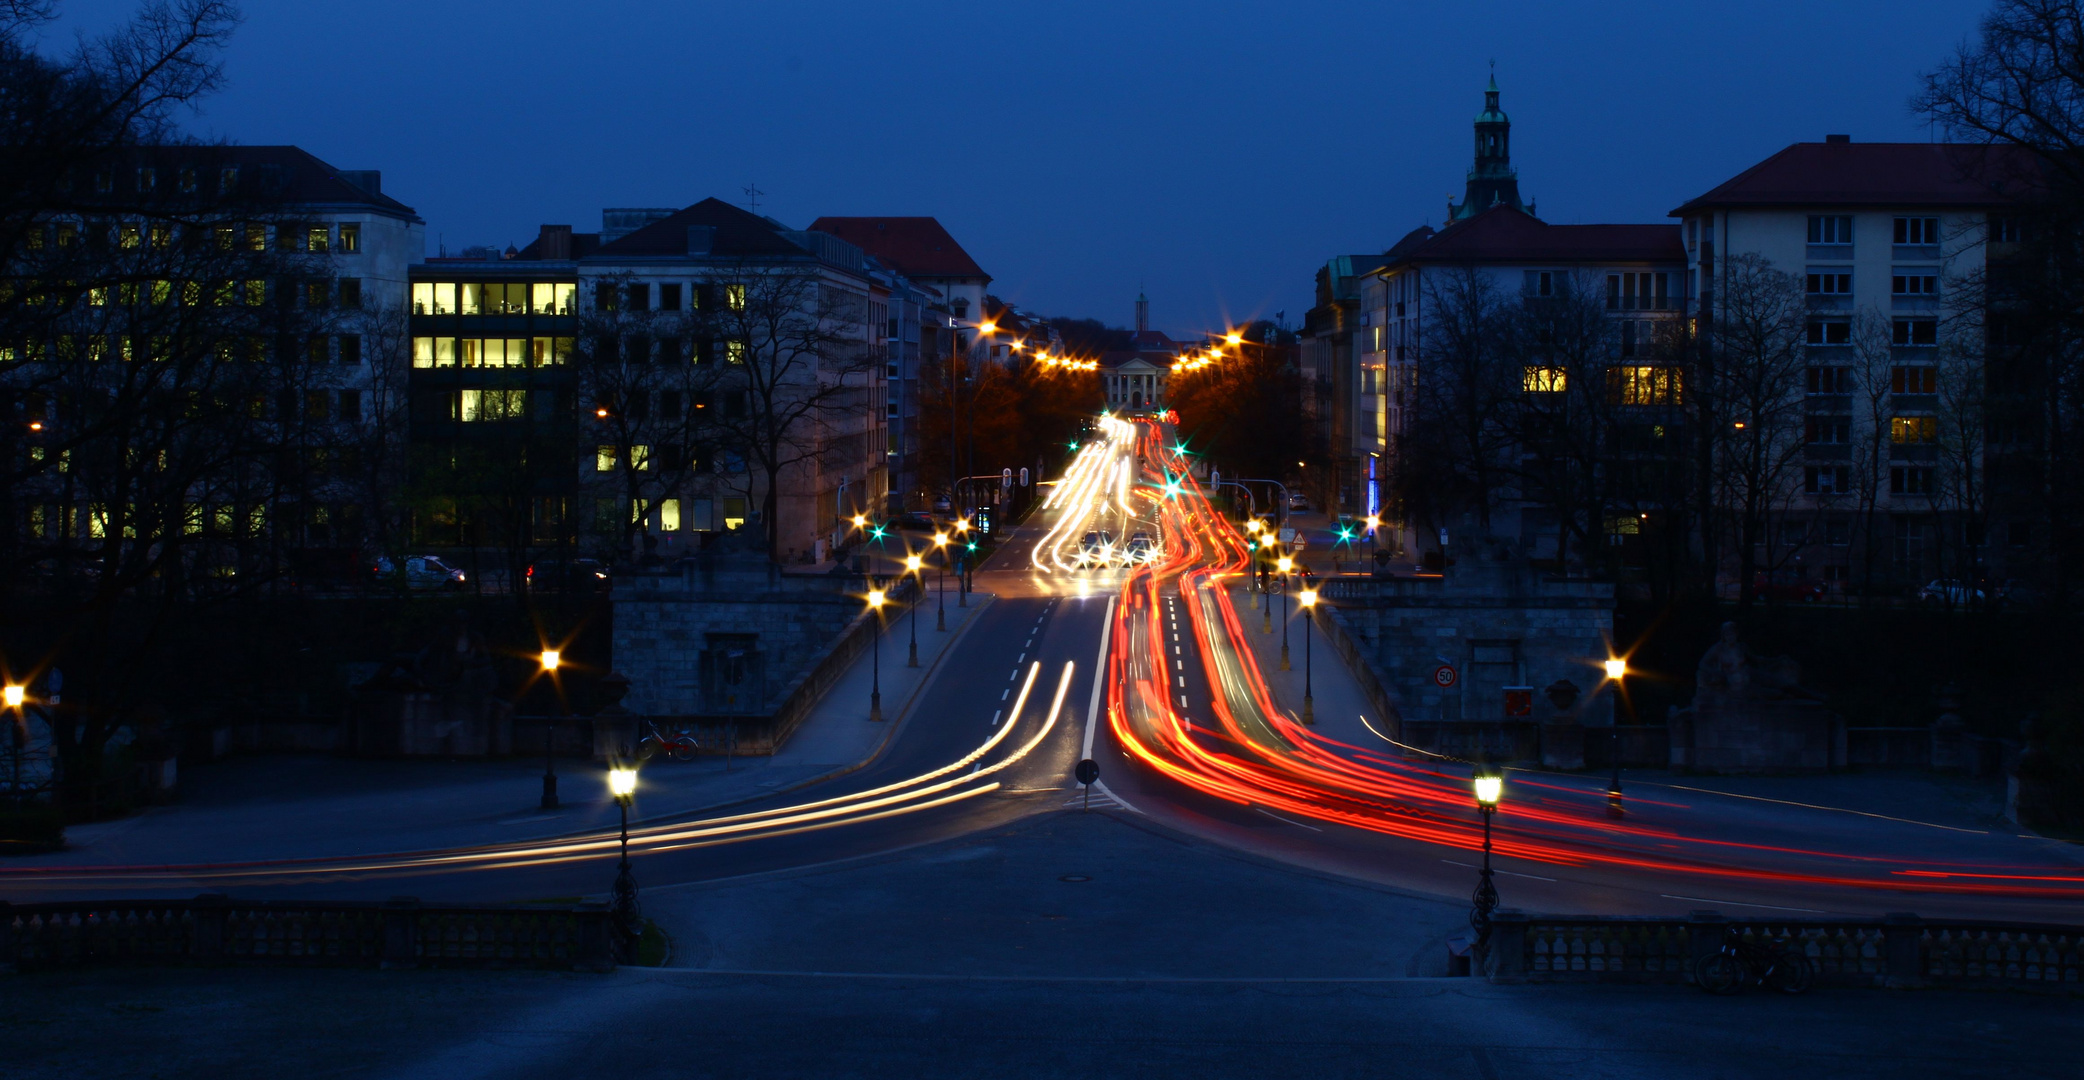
1088, 772
1445, 677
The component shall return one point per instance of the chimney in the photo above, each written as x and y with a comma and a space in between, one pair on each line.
1837, 138
554, 243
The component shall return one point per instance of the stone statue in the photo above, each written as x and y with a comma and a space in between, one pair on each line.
1729, 673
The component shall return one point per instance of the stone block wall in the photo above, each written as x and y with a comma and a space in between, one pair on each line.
665, 622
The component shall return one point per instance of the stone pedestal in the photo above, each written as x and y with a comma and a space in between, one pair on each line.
1562, 743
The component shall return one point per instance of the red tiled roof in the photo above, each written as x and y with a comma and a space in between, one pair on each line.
1879, 174
917, 247
1504, 234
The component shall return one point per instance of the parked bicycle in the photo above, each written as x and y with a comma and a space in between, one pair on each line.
680, 745
1776, 965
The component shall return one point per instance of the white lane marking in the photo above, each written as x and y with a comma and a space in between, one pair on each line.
1022, 659
995, 714
1016, 672
1183, 682
1004, 694
1092, 709
1285, 821
1183, 701
1739, 903
1507, 873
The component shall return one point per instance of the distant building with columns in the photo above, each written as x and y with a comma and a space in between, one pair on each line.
1135, 378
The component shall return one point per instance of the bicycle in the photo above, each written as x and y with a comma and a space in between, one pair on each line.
680, 745
1775, 965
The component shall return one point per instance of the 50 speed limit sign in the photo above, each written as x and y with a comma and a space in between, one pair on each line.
1444, 676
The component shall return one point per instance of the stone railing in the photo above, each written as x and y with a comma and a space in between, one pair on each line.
1893, 951
215, 929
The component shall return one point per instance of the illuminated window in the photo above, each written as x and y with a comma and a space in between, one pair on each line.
1645, 385
472, 299
256, 238
479, 406
638, 509
319, 237
1913, 430
734, 352
669, 515
256, 293
128, 237
604, 458
734, 297
98, 296
1543, 380
160, 237
640, 458
350, 238
548, 352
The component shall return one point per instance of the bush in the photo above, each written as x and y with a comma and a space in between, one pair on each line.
31, 829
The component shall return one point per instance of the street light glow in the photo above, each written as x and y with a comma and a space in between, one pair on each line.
914, 563
1488, 789
940, 539
1308, 597
551, 657
860, 520
1233, 338
14, 697
876, 598
622, 781
1286, 564
1616, 667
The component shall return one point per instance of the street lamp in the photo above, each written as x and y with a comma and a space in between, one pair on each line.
13, 697
940, 540
1489, 787
622, 783
550, 659
1309, 607
1284, 624
1617, 672
913, 564
876, 599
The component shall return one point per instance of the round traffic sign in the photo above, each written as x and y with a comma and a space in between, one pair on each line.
1088, 771
1444, 676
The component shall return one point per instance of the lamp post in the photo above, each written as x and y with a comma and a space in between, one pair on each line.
622, 783
14, 696
550, 659
940, 591
962, 577
1309, 608
1284, 624
913, 563
1616, 671
1489, 786
876, 599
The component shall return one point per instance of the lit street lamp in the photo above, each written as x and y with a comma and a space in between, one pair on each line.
1489, 786
1616, 671
876, 599
1284, 624
913, 564
1309, 607
622, 783
940, 541
550, 659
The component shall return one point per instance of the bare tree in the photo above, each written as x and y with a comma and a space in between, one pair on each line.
1873, 364
1450, 461
1756, 384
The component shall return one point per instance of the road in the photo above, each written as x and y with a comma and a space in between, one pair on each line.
1146, 669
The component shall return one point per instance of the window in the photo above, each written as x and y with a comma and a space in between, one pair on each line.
1543, 380
1919, 231
549, 352
1827, 430
604, 297
431, 352
734, 298
317, 293
317, 404
1830, 332
1915, 331
256, 238
669, 296
1828, 229
640, 458
734, 352
669, 350
434, 298
1914, 281
1914, 379
1545, 284
1830, 380
640, 296
1913, 430
470, 298
2007, 230
128, 237
604, 458
1638, 292
351, 349
481, 406
186, 181
492, 352
227, 179
350, 292
350, 404
318, 238
1827, 479
317, 350
669, 513
1830, 283
288, 236
256, 293
1910, 480
160, 237
147, 179
1645, 385
350, 238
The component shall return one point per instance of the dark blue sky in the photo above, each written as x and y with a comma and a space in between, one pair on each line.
1215, 153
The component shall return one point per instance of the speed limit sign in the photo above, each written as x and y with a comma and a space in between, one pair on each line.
1444, 676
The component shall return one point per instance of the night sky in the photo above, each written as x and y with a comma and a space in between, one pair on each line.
1214, 154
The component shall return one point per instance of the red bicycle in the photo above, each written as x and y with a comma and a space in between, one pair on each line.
680, 745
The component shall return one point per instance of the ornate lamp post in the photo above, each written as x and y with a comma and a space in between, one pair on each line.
1309, 609
1489, 787
550, 659
913, 564
940, 590
622, 783
1617, 672
1285, 564
876, 598
962, 578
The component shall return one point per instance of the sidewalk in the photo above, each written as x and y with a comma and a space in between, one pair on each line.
1338, 703
314, 806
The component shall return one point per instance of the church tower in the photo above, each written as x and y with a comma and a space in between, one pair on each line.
1143, 312
1492, 182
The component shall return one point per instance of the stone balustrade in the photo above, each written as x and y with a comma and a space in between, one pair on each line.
1900, 950
215, 929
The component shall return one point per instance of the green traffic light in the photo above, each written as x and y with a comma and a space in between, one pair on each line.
973, 545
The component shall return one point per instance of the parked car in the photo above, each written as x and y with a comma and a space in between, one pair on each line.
941, 504
1790, 589
2016, 594
1949, 592
576, 575
419, 572
1298, 503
